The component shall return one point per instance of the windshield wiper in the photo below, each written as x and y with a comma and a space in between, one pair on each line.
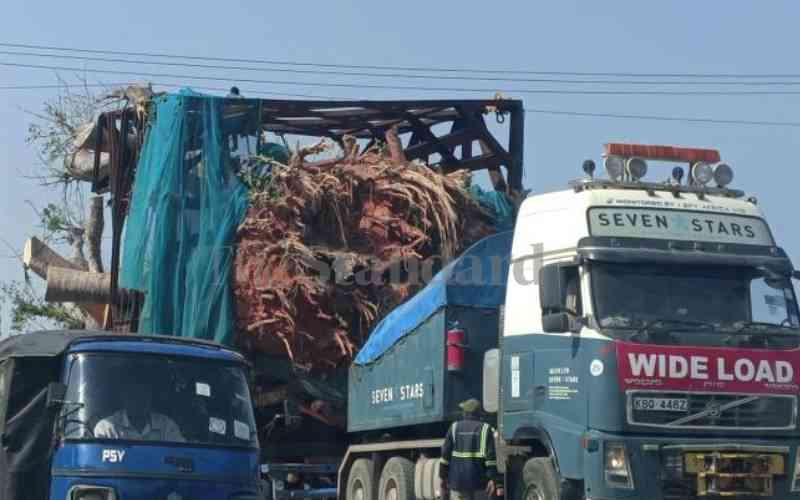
668, 323
761, 327
766, 332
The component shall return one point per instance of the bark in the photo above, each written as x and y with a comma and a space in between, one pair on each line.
69, 285
76, 237
38, 257
80, 165
94, 234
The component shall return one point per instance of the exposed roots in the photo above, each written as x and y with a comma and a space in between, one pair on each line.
323, 255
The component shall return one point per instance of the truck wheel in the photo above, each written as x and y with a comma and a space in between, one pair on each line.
539, 480
397, 480
361, 480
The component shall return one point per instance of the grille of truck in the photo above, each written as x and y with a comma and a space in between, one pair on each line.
716, 411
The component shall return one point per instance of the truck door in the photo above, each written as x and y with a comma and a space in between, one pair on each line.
544, 372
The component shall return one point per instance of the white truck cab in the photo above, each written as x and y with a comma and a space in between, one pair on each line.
651, 337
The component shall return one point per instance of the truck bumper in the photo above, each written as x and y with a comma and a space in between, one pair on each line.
673, 468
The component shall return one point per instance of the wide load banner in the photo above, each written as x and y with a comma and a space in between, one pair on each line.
675, 368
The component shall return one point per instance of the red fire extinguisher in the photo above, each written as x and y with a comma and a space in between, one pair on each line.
456, 348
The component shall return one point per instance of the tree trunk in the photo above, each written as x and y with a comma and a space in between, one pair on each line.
38, 257
94, 234
80, 165
69, 285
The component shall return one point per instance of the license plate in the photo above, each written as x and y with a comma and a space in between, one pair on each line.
660, 404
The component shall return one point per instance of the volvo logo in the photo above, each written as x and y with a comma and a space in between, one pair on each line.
713, 410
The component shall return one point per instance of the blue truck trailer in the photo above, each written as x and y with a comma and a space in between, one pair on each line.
640, 341
58, 387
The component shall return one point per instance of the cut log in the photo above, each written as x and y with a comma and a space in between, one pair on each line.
37, 257
80, 165
69, 285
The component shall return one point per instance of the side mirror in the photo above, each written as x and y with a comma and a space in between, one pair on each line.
56, 394
491, 380
556, 322
796, 275
551, 287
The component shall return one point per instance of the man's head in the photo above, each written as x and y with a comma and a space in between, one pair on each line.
138, 399
470, 407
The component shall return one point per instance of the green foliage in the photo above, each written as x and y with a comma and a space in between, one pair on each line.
259, 178
59, 121
30, 311
54, 219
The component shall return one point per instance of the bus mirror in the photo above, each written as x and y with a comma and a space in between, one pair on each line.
56, 393
555, 322
491, 380
796, 274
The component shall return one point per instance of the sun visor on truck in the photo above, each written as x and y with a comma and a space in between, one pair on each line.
633, 250
477, 278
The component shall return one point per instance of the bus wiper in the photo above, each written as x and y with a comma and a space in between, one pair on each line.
665, 323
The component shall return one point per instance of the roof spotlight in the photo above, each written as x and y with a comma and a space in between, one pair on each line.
677, 174
723, 174
702, 173
588, 168
614, 166
636, 168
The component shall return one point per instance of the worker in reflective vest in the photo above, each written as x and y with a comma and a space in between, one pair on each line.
469, 463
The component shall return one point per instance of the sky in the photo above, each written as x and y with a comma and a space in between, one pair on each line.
713, 37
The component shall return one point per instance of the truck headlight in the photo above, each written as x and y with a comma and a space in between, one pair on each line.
91, 493
617, 467
796, 474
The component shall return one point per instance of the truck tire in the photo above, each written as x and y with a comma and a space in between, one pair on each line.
539, 480
397, 480
361, 480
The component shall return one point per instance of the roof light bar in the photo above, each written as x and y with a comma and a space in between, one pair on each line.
663, 153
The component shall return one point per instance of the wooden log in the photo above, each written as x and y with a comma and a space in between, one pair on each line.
80, 165
37, 257
69, 285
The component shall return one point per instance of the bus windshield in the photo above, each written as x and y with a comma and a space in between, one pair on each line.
158, 399
730, 299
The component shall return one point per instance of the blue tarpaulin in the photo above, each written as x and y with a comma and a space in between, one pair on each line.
476, 279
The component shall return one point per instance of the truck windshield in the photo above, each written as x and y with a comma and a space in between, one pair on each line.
158, 399
728, 299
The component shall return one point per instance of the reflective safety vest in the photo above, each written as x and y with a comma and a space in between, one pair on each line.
468, 456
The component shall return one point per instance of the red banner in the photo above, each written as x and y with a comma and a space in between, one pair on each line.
715, 369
